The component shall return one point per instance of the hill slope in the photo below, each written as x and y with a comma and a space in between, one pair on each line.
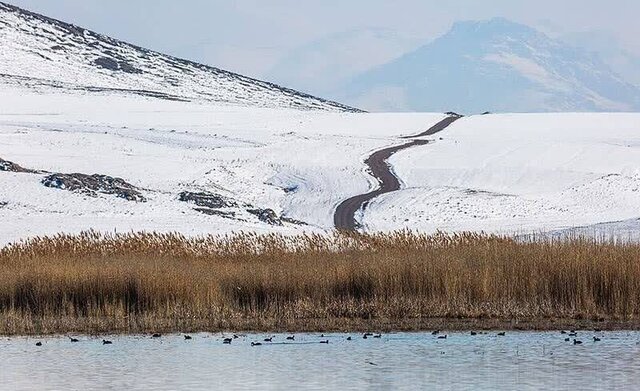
495, 65
37, 51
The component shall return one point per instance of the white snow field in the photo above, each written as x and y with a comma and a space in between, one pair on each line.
520, 173
301, 164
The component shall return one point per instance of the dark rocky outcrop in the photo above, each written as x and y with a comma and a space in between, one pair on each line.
93, 184
213, 204
6, 165
268, 216
116, 65
207, 200
215, 212
292, 221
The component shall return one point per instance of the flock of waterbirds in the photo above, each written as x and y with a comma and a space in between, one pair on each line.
569, 336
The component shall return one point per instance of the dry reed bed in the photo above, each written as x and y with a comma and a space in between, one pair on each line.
167, 282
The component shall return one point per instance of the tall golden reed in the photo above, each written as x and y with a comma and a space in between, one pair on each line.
147, 281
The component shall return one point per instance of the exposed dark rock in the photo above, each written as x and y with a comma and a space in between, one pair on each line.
268, 216
292, 221
113, 65
207, 200
107, 63
291, 189
6, 165
128, 68
93, 184
215, 212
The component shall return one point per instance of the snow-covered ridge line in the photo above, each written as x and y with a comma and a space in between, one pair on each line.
42, 48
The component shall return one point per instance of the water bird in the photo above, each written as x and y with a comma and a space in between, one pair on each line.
573, 334
227, 341
268, 339
291, 338
435, 332
563, 332
235, 336
576, 342
567, 339
474, 333
256, 344
105, 342
325, 341
38, 343
367, 335
596, 339
348, 338
187, 337
597, 330
73, 339
442, 336
377, 336
156, 335
502, 334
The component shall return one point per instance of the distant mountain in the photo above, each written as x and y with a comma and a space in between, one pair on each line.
40, 52
494, 65
324, 65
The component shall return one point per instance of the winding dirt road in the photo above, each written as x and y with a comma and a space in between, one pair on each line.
344, 217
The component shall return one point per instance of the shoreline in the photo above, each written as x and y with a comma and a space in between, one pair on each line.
88, 327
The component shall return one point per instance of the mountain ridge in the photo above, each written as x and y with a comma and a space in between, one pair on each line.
495, 65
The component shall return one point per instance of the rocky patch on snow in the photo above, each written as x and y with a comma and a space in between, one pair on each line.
214, 204
116, 65
207, 200
6, 165
292, 221
94, 184
268, 216
216, 212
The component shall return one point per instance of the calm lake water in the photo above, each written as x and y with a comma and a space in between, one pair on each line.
516, 361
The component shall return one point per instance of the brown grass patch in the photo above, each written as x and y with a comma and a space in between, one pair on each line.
166, 282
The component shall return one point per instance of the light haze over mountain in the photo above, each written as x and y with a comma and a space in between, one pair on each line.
494, 65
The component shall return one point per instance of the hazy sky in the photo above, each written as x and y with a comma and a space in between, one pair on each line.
249, 36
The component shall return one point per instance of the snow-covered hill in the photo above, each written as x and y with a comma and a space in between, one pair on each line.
494, 65
43, 53
197, 168
190, 167
522, 173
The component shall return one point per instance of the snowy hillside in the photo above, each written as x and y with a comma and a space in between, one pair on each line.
197, 168
184, 166
39, 52
520, 173
498, 66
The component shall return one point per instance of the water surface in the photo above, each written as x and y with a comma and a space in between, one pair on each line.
518, 360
